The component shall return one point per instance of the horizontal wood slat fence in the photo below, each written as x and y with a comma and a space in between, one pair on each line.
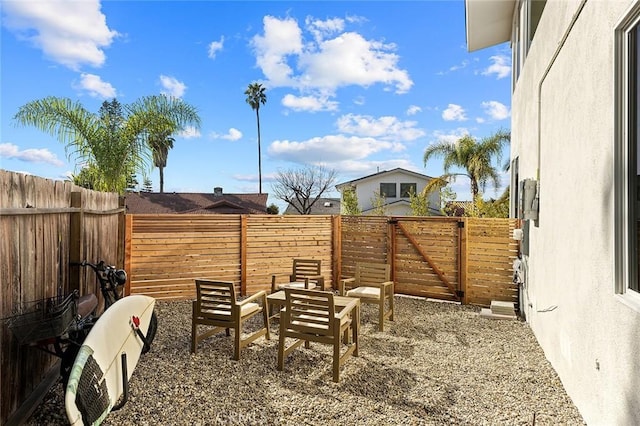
45, 225
460, 259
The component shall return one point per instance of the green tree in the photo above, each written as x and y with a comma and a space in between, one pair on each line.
447, 195
490, 208
255, 97
160, 144
273, 209
474, 156
419, 204
113, 144
350, 202
147, 185
378, 202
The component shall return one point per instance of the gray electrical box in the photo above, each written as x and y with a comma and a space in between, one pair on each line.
528, 203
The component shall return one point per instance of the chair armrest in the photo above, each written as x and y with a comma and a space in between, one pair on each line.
347, 310
319, 279
274, 278
342, 283
261, 294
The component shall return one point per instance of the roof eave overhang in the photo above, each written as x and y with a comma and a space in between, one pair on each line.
488, 22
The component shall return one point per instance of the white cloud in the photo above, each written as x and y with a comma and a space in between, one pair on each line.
454, 113
496, 110
459, 67
309, 103
189, 132
215, 46
450, 136
96, 88
172, 86
413, 110
232, 135
282, 37
8, 150
321, 29
71, 33
386, 127
287, 59
359, 100
327, 149
500, 66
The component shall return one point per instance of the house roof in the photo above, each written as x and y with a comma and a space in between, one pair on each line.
379, 174
319, 207
195, 203
488, 22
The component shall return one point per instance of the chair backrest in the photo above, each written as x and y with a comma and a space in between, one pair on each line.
309, 311
372, 273
303, 268
215, 299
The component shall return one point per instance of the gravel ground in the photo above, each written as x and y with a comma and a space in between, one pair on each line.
437, 363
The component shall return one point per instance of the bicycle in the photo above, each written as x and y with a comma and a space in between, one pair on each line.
59, 325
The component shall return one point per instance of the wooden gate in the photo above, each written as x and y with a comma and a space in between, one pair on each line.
427, 259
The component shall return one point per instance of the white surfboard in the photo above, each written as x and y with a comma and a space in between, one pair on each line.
96, 382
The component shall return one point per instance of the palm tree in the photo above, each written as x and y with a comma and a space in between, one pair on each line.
255, 97
160, 144
114, 142
474, 156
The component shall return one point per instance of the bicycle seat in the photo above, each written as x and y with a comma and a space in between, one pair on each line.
87, 304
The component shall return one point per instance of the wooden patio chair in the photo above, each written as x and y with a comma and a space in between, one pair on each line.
372, 284
310, 316
305, 274
216, 306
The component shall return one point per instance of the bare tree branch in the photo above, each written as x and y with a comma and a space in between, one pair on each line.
302, 188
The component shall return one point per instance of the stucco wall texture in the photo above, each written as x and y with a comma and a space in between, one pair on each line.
563, 133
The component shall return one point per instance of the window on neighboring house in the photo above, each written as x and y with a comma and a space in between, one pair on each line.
627, 150
406, 189
388, 190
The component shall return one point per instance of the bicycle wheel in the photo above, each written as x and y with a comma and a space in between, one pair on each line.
151, 332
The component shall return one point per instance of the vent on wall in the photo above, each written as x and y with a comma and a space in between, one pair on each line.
327, 204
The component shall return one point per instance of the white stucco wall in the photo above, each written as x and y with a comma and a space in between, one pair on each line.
589, 335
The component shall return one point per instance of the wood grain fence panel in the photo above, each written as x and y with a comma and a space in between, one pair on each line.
426, 257
491, 252
364, 239
34, 264
274, 241
169, 252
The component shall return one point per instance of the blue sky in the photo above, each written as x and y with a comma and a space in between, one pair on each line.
358, 87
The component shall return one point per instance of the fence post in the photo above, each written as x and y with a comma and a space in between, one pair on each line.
121, 233
391, 246
243, 254
463, 257
336, 250
76, 241
128, 232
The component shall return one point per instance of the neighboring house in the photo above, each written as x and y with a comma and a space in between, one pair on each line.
395, 185
321, 206
575, 168
195, 203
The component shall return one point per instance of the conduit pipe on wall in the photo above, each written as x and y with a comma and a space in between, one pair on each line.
564, 38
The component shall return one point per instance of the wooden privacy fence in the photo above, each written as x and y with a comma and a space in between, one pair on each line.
46, 225
464, 259
166, 253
